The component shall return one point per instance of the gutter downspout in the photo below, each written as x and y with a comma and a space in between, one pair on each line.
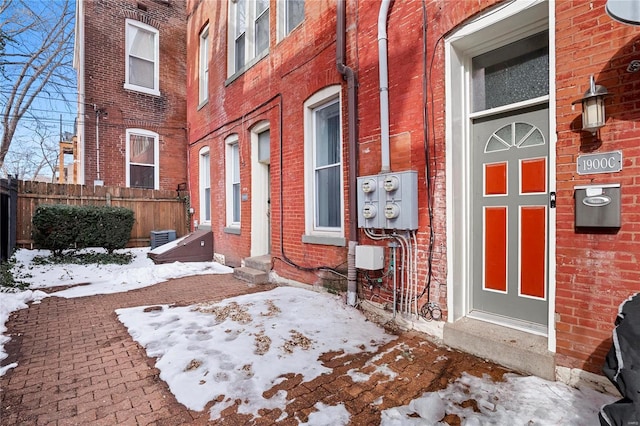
384, 85
352, 114
98, 112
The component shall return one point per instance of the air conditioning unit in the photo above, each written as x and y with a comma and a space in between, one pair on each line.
159, 238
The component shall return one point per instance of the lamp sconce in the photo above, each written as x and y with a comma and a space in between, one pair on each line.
593, 115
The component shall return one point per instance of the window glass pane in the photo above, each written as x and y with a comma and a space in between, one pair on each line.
207, 204
506, 134
236, 202
495, 144
327, 165
240, 52
206, 171
141, 72
235, 163
328, 197
264, 148
327, 121
141, 43
235, 181
528, 135
294, 13
204, 65
141, 149
261, 6
141, 176
510, 74
205, 184
241, 17
262, 32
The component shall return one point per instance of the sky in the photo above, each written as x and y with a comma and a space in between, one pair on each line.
54, 108
241, 346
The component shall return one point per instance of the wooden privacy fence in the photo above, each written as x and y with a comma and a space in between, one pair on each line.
153, 210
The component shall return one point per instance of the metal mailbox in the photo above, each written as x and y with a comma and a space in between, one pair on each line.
598, 205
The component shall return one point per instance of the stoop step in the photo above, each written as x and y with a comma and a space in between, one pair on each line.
250, 275
255, 270
512, 348
261, 263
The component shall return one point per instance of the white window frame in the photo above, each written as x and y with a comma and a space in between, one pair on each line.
250, 55
204, 184
324, 235
156, 58
232, 163
283, 31
156, 155
203, 67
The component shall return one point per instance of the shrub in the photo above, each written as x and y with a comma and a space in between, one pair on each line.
55, 227
61, 227
107, 227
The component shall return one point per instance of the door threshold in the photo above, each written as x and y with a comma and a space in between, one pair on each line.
526, 326
516, 349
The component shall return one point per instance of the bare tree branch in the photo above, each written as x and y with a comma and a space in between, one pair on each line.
32, 156
37, 56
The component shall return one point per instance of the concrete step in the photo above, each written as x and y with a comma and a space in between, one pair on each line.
251, 275
515, 349
261, 263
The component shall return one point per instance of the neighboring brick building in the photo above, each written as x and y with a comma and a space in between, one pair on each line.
131, 62
479, 100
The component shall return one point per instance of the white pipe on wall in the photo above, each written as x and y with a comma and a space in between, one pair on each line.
384, 85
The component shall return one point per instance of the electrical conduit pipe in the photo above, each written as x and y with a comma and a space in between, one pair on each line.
384, 85
352, 114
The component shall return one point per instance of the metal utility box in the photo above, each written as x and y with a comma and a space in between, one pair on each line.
159, 238
388, 201
370, 257
598, 206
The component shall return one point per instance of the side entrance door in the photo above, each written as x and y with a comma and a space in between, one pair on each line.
510, 201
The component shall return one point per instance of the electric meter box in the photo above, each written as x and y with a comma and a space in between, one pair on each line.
598, 206
388, 201
370, 257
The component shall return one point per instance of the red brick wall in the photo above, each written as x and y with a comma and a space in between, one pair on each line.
407, 124
296, 68
123, 109
596, 271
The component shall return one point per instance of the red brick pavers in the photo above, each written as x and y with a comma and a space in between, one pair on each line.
77, 365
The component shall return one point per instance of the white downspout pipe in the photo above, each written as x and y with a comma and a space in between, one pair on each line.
95, 107
384, 85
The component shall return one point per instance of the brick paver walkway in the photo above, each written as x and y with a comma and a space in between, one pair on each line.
77, 365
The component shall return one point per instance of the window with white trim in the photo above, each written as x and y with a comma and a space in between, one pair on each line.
323, 164
205, 186
203, 67
290, 15
233, 181
248, 33
142, 170
142, 60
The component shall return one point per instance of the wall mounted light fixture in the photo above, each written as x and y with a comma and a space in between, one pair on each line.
593, 115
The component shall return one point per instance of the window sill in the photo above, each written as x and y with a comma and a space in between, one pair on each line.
246, 67
140, 89
202, 104
231, 230
325, 241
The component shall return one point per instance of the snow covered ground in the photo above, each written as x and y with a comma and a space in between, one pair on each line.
240, 346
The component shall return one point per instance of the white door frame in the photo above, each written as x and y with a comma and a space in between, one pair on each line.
259, 196
494, 28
